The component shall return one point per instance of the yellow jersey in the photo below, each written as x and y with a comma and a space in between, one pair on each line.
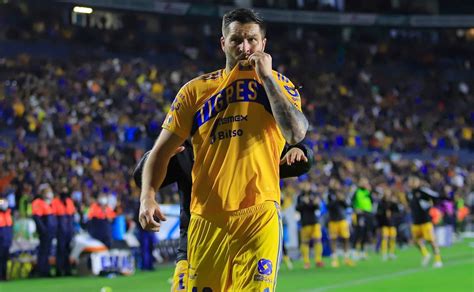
236, 140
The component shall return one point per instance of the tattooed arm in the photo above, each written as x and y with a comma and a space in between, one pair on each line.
292, 123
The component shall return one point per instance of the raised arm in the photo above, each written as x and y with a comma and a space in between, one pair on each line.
291, 121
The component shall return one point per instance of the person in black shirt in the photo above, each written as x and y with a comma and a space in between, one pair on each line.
296, 160
386, 215
420, 200
307, 204
338, 225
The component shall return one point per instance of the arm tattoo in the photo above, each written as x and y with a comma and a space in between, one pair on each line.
292, 123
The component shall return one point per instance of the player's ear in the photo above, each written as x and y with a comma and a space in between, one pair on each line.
223, 43
264, 42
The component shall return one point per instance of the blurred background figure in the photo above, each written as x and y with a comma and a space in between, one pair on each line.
387, 211
64, 210
307, 204
45, 227
362, 203
100, 218
338, 226
420, 200
6, 237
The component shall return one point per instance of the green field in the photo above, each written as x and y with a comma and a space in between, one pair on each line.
403, 274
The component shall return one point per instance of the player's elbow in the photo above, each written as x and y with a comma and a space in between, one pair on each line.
297, 135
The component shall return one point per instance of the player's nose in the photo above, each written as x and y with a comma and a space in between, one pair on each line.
244, 46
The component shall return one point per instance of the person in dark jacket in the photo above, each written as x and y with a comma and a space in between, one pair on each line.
45, 227
6, 237
100, 219
295, 161
64, 210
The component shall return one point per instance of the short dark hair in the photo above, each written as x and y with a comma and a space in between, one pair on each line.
243, 15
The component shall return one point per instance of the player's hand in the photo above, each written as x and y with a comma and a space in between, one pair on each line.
262, 63
293, 155
150, 215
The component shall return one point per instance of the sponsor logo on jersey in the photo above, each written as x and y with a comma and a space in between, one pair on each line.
265, 267
244, 90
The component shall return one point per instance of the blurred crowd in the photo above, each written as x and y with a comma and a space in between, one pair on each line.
386, 174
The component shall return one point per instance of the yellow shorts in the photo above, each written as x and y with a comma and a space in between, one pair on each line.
422, 231
309, 232
236, 251
339, 229
389, 231
180, 277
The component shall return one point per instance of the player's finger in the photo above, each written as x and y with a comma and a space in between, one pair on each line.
143, 220
251, 60
298, 157
283, 161
294, 157
288, 159
159, 215
150, 221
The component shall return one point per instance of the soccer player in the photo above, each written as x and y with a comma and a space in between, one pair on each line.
362, 202
420, 199
239, 119
307, 203
386, 214
296, 160
338, 225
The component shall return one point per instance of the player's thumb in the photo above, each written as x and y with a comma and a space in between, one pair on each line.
283, 160
159, 215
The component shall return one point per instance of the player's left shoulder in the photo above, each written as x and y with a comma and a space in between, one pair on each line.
287, 85
281, 78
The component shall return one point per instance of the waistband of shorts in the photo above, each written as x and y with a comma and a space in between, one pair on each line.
267, 205
253, 209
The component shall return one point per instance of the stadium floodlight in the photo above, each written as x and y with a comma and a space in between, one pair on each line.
84, 10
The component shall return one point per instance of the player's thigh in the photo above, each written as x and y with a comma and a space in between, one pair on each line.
306, 233
416, 232
428, 232
385, 231
344, 231
333, 230
255, 265
316, 232
392, 232
207, 255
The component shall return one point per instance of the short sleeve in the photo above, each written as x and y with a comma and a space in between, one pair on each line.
289, 89
179, 119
